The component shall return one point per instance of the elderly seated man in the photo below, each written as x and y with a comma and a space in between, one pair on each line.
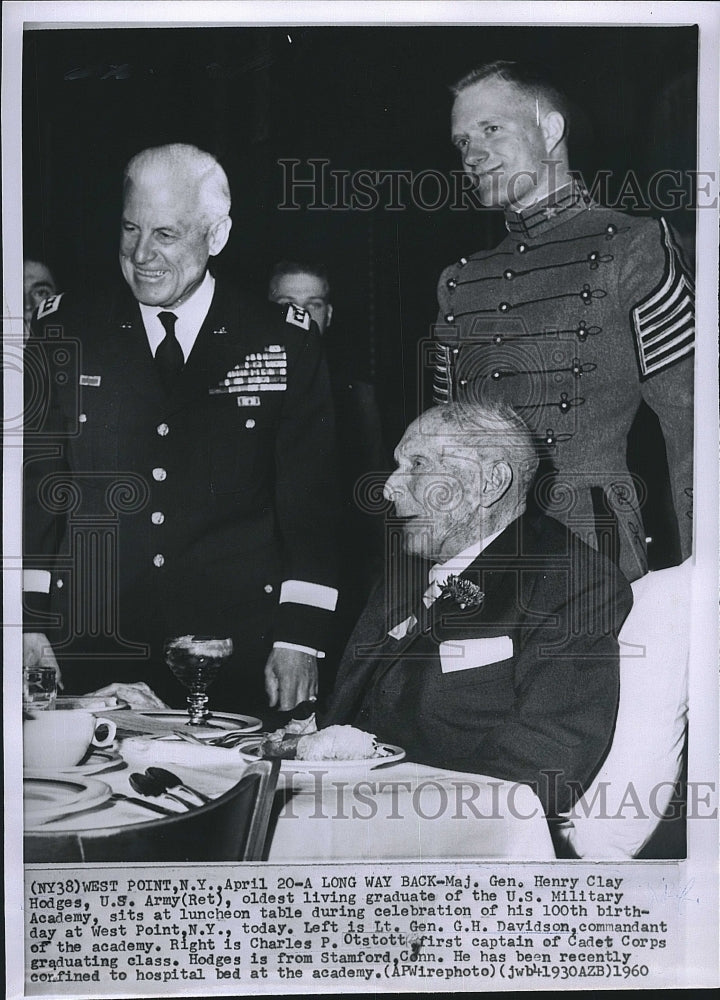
507, 664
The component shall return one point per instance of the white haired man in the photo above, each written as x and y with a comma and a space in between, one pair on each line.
507, 663
196, 436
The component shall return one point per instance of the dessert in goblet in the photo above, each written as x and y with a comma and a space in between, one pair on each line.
196, 660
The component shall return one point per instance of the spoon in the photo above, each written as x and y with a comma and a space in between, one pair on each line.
170, 780
146, 785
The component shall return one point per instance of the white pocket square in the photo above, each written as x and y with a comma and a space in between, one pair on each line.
466, 654
401, 630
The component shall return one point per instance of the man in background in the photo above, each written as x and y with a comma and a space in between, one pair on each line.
179, 473
38, 285
362, 458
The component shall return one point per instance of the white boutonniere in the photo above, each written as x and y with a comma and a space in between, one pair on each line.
465, 593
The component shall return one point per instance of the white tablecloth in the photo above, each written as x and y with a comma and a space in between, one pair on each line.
408, 810
403, 810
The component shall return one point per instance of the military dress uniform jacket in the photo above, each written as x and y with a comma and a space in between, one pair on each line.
577, 316
523, 687
206, 509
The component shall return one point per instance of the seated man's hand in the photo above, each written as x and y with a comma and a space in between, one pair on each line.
37, 652
290, 677
137, 695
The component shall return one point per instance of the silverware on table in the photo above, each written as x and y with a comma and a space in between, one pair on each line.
170, 780
146, 785
188, 737
229, 739
120, 797
235, 737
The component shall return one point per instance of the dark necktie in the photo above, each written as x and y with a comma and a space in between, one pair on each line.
169, 356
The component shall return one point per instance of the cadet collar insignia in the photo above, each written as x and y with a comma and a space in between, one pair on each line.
264, 371
93, 380
220, 331
535, 219
298, 317
49, 305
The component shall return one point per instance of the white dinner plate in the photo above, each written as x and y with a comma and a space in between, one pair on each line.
217, 721
101, 760
387, 753
90, 703
47, 797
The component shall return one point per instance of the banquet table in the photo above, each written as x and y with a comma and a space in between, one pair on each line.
331, 812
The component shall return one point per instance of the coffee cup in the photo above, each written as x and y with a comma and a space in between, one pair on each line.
53, 741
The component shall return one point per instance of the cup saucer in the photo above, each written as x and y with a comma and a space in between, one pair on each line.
100, 760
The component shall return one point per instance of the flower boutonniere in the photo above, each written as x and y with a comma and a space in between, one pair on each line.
465, 593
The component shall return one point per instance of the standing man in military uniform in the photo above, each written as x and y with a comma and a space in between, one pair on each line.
576, 317
178, 461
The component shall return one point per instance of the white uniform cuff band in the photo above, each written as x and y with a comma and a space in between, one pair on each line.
37, 580
313, 594
302, 649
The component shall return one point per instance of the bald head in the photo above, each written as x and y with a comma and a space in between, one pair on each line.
463, 474
495, 431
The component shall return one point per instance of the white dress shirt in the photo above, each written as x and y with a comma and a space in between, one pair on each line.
455, 565
190, 318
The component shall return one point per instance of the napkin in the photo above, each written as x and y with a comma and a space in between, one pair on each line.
143, 752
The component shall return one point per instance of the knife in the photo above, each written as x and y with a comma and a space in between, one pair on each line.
119, 796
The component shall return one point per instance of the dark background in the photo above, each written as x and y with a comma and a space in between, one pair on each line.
371, 98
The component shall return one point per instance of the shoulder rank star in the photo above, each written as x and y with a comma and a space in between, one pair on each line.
465, 593
298, 317
49, 306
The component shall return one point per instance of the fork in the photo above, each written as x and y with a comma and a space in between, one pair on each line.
229, 739
233, 738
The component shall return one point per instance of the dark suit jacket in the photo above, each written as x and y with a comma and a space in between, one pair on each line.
164, 513
523, 688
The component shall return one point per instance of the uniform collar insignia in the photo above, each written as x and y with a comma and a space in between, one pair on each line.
543, 215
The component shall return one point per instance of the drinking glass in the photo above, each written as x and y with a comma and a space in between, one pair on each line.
39, 689
196, 660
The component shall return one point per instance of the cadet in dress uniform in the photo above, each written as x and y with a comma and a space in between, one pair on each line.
187, 492
576, 317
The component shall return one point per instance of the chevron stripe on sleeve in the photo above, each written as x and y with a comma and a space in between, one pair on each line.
664, 322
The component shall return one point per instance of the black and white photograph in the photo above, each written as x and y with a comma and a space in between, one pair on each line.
360, 497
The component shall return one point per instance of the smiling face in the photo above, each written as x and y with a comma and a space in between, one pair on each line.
498, 131
165, 242
307, 291
437, 491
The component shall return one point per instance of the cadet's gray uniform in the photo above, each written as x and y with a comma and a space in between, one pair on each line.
579, 314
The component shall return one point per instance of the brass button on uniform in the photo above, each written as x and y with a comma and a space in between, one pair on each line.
59, 584
268, 588
157, 517
250, 423
159, 474
82, 418
163, 429
159, 559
